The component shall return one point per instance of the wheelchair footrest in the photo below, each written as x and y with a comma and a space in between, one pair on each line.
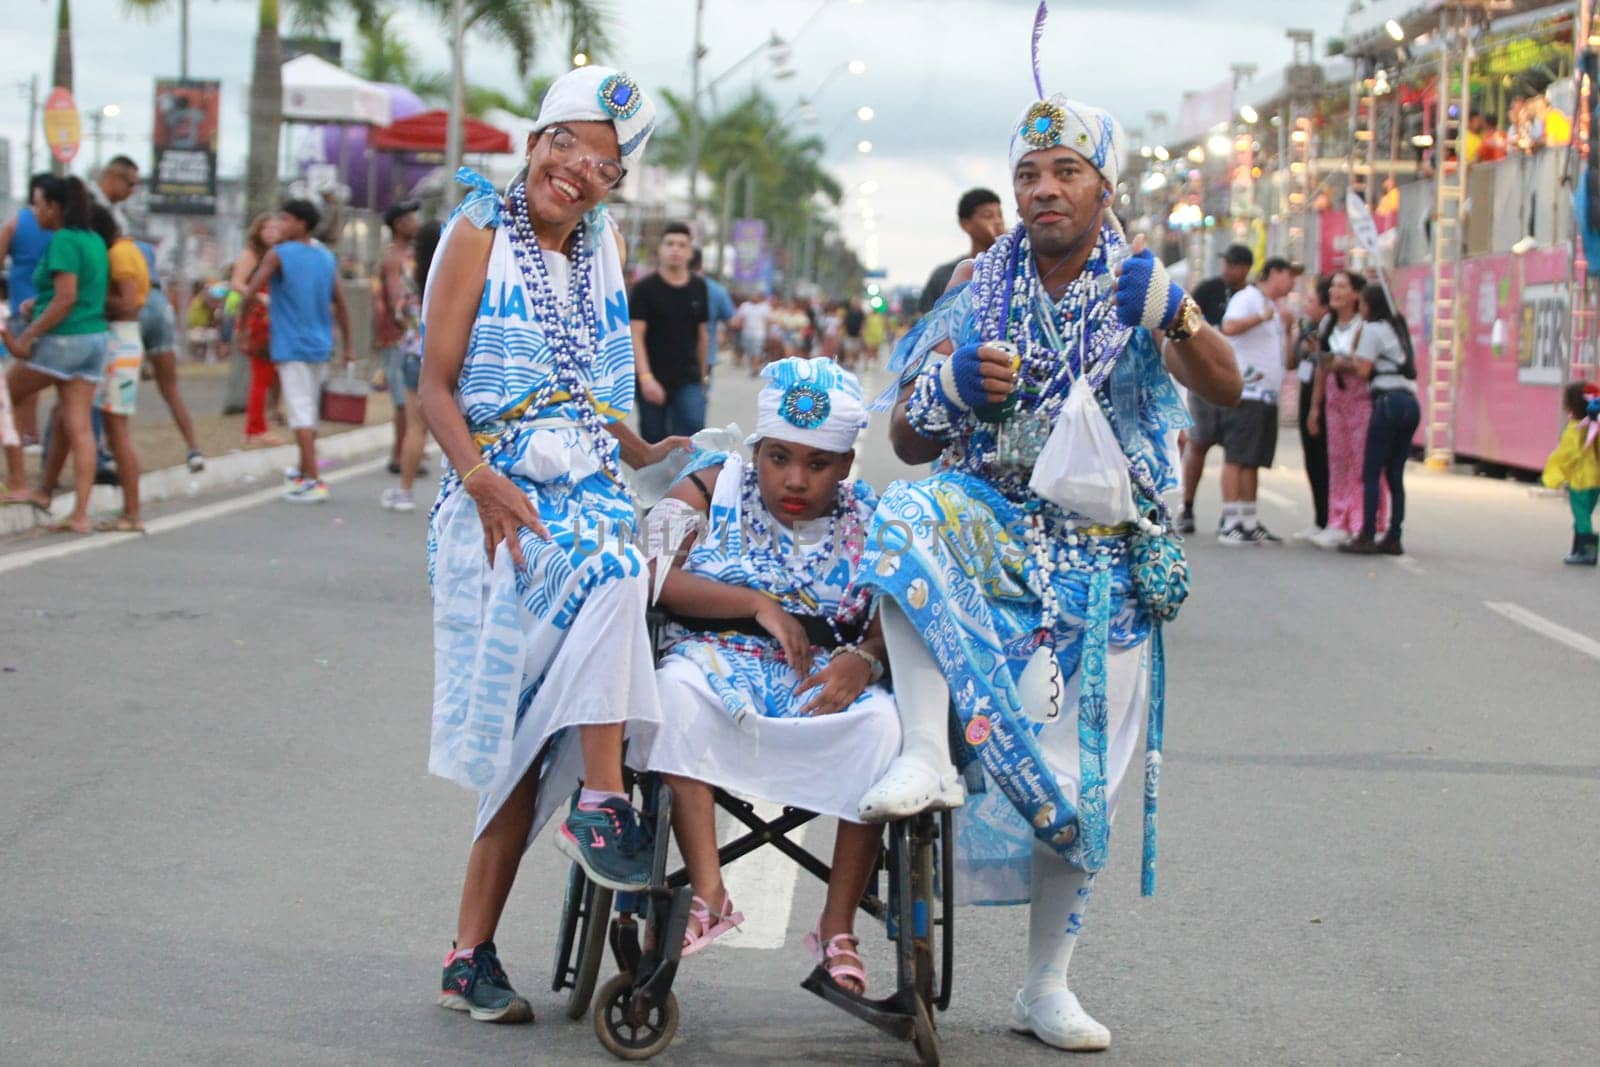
895, 1015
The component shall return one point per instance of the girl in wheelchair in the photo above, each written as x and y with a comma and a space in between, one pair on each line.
770, 685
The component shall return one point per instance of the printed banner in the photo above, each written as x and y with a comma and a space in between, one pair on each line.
185, 141
749, 239
63, 131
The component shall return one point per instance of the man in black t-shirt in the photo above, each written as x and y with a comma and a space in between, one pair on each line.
669, 310
854, 320
1212, 295
981, 219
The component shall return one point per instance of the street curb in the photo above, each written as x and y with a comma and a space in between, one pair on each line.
232, 471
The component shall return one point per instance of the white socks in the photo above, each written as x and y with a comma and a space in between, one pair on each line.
1060, 898
920, 691
1240, 513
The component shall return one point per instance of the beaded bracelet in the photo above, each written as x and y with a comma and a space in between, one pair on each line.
928, 410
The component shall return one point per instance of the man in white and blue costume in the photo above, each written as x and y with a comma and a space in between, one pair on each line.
1022, 584
527, 376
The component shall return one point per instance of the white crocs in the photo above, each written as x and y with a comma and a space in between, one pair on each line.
908, 787
1059, 1020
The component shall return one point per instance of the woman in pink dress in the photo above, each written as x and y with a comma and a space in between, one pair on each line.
1348, 409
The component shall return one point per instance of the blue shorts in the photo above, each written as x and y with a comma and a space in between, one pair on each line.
67, 356
411, 365
156, 326
394, 374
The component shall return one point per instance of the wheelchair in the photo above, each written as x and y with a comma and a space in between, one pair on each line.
635, 1013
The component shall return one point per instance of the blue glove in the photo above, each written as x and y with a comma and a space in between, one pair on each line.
1146, 296
961, 380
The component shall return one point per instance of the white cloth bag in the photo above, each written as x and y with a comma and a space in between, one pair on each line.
479, 652
1082, 468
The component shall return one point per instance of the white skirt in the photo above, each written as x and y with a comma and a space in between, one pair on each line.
821, 764
603, 672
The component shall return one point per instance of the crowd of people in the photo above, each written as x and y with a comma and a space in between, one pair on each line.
86, 317
1352, 356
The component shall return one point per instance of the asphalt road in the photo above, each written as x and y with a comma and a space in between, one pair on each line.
218, 841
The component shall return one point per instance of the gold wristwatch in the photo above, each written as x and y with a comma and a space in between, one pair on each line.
1188, 322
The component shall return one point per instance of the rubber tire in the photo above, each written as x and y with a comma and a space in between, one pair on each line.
620, 987
591, 947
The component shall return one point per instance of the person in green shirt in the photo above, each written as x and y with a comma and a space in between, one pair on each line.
65, 341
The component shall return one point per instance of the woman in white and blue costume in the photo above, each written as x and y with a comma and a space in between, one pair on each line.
1018, 626
527, 374
770, 688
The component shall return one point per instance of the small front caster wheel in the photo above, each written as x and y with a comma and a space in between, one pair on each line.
629, 1031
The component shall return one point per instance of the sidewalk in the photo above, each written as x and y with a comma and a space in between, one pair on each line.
228, 466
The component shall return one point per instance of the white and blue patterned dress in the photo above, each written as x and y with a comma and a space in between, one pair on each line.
533, 636
729, 715
949, 551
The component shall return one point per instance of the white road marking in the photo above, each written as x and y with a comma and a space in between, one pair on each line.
762, 886
168, 523
1408, 563
1275, 499
1541, 625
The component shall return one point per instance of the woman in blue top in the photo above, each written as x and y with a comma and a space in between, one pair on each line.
64, 344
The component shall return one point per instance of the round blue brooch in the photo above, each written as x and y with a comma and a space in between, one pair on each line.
620, 96
1041, 126
805, 407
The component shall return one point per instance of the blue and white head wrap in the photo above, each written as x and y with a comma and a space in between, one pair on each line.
1055, 121
602, 94
810, 402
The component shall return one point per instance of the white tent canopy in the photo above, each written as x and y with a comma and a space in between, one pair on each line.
315, 90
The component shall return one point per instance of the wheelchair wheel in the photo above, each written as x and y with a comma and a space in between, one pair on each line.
586, 913
927, 982
631, 1032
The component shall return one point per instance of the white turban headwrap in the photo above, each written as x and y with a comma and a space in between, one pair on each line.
1059, 122
811, 402
601, 94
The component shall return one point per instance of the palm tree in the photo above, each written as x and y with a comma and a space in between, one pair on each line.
751, 143
266, 113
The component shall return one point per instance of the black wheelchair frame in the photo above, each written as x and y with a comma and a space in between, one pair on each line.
635, 1013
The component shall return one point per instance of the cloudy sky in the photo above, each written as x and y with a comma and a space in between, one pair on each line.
944, 78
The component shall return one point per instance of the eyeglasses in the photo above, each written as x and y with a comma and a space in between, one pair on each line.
605, 173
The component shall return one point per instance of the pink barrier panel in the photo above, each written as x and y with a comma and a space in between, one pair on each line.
1508, 402
1508, 398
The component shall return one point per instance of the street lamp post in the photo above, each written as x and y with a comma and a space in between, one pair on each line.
97, 119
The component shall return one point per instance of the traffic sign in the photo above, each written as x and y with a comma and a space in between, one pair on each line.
63, 131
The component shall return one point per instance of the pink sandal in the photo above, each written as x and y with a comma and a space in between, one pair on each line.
836, 971
711, 927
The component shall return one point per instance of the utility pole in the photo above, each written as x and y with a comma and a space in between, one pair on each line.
455, 124
32, 85
183, 39
694, 108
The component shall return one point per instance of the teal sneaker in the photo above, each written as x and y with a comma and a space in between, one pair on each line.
607, 842
479, 985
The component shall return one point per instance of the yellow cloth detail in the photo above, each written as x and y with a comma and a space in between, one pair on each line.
1571, 463
127, 262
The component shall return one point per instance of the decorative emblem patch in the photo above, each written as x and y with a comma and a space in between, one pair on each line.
978, 730
620, 96
805, 407
1041, 126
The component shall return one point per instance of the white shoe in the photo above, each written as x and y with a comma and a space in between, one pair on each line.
1330, 538
398, 500
908, 787
1310, 533
1059, 1020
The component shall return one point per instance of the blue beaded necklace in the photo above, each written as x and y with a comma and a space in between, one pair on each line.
570, 323
763, 554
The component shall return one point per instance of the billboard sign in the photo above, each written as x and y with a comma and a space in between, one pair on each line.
185, 141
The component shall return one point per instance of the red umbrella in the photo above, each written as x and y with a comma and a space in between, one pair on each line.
425, 132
